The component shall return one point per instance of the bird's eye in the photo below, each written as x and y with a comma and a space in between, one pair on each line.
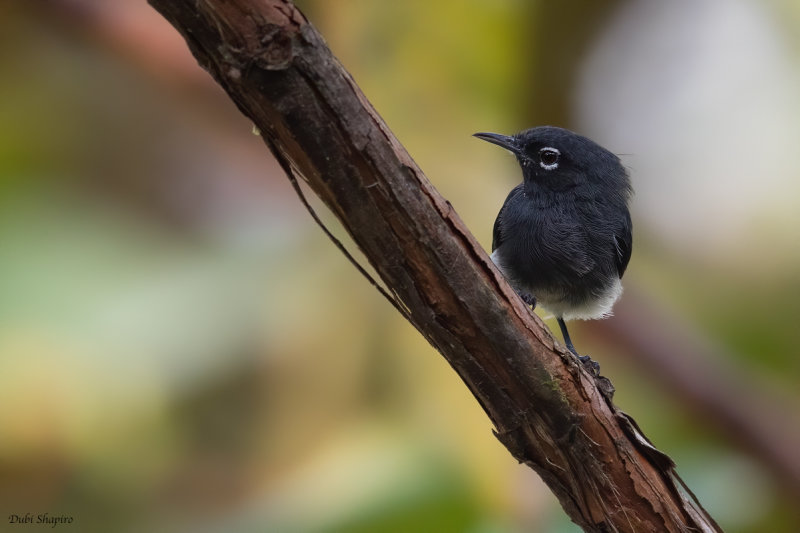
548, 158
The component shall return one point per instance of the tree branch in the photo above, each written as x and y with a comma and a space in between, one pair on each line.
549, 412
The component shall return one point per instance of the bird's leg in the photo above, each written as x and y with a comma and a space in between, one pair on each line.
565, 334
584, 359
528, 298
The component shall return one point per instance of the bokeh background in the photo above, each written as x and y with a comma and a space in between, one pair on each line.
182, 349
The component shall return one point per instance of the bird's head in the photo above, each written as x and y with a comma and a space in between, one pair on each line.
558, 159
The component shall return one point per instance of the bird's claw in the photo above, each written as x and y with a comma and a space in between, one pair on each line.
589, 364
528, 298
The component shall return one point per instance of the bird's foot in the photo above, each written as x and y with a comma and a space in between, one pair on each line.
528, 298
589, 364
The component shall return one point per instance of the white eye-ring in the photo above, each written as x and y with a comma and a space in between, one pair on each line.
548, 158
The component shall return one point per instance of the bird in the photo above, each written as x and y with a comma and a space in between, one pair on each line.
563, 237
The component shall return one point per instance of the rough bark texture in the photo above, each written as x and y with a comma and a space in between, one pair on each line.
549, 412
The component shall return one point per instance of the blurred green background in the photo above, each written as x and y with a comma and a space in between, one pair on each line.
181, 348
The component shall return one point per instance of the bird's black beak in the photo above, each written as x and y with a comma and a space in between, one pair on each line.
509, 143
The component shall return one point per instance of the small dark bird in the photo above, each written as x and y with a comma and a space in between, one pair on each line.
563, 236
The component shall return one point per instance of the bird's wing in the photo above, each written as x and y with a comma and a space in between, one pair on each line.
497, 234
623, 240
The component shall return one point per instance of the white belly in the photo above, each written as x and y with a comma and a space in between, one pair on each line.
598, 307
